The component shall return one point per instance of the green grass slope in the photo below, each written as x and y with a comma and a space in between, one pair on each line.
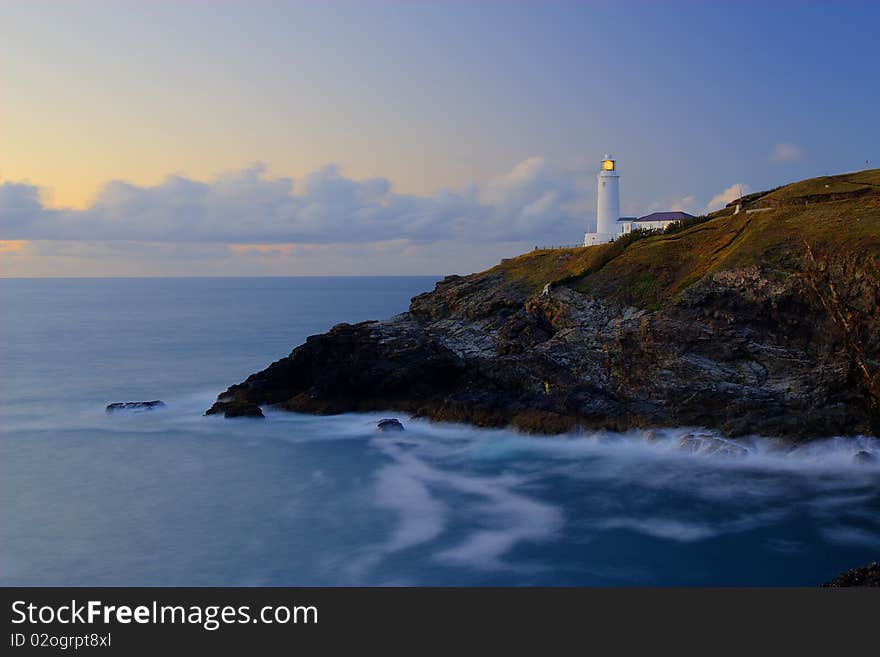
832, 215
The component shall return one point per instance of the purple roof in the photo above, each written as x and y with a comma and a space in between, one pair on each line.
665, 216
627, 219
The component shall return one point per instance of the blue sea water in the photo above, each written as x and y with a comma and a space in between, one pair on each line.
172, 497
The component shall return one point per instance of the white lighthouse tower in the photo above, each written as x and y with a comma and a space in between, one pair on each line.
608, 205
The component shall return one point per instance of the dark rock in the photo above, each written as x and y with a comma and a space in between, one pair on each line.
134, 406
235, 408
863, 456
740, 351
864, 576
390, 424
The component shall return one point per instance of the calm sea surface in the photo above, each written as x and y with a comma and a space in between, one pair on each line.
175, 498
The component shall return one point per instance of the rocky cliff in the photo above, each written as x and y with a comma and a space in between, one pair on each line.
764, 322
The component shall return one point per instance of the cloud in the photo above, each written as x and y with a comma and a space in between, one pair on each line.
250, 222
19, 206
732, 193
786, 153
12, 246
533, 201
848, 535
675, 203
684, 204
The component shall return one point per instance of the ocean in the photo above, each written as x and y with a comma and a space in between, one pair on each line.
172, 498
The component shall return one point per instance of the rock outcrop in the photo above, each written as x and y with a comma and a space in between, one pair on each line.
238, 408
389, 424
737, 351
135, 406
863, 576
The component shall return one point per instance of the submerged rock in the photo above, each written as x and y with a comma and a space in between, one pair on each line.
390, 424
863, 456
713, 445
863, 576
135, 406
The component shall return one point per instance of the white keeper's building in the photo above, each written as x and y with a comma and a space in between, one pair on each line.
653, 221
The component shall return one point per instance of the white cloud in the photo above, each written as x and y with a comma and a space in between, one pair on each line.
786, 153
253, 223
732, 193
684, 204
672, 202
534, 201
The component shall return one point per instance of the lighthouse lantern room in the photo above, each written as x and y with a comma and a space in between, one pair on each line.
608, 204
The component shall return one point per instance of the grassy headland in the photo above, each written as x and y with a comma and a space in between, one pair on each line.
832, 215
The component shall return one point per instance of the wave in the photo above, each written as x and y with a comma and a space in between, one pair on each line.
185, 413
444, 499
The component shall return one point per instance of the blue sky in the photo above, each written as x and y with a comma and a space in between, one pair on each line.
402, 137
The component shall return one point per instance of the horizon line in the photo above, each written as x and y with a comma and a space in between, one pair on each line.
33, 278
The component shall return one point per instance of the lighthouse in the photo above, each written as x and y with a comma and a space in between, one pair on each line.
608, 203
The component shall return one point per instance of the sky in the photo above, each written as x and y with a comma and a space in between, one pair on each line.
249, 138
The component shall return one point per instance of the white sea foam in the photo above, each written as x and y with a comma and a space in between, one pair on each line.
495, 475
457, 497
